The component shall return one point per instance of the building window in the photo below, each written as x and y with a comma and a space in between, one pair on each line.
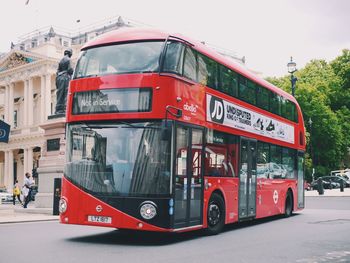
65, 43
15, 119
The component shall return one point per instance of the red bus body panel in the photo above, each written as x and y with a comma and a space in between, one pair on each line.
81, 205
190, 97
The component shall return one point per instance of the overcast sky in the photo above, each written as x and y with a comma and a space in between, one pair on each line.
266, 32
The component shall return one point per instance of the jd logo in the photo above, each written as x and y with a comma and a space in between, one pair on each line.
216, 109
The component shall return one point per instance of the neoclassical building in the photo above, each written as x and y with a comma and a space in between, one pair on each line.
27, 88
28, 94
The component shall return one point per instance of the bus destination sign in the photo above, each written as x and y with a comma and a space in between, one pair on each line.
113, 101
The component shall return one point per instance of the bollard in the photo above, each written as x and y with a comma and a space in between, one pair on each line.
342, 185
320, 186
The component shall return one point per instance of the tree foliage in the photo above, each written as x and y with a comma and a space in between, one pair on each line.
323, 93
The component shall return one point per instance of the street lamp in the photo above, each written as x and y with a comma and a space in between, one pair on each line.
310, 123
292, 67
313, 171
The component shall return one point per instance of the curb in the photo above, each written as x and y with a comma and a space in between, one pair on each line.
28, 221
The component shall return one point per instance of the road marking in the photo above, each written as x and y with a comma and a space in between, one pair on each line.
333, 256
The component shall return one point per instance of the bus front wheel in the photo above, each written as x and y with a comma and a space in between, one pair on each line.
215, 214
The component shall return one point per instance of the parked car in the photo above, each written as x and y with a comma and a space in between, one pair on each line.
5, 196
337, 179
328, 183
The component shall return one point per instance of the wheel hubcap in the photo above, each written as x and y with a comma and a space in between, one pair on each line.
214, 214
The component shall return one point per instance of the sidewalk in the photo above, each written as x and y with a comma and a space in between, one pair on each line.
327, 192
17, 214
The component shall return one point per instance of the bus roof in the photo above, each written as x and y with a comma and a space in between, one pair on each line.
137, 34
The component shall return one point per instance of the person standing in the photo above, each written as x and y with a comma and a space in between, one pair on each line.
28, 183
63, 76
16, 193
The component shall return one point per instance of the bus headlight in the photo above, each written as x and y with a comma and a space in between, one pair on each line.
148, 210
62, 206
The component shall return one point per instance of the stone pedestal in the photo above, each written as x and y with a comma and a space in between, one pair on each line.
51, 163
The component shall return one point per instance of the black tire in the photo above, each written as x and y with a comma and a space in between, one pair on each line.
288, 207
215, 214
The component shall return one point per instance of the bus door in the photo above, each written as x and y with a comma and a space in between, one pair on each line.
188, 176
301, 197
247, 179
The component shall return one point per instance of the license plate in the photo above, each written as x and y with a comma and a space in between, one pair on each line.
100, 219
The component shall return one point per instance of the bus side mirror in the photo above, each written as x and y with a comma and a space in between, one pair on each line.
176, 112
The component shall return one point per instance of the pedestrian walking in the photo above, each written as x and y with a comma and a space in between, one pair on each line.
28, 183
16, 193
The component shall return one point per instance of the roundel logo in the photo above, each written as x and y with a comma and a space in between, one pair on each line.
216, 108
99, 208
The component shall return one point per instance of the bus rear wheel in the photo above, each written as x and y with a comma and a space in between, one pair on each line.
288, 208
215, 214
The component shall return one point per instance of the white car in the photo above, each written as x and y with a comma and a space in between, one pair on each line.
5, 196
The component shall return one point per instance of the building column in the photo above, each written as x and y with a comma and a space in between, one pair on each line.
11, 105
7, 94
10, 182
30, 102
6, 168
47, 95
25, 95
30, 159
42, 100
2, 173
25, 160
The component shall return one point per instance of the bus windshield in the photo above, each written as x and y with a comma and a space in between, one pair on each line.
125, 159
136, 57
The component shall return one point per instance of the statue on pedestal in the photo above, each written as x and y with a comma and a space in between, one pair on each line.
63, 76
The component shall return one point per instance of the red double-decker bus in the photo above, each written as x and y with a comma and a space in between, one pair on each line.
165, 134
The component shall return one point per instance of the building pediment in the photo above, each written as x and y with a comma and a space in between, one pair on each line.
17, 58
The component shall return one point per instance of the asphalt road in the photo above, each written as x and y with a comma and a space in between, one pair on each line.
320, 233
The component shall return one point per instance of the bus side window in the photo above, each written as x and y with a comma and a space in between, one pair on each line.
173, 61
190, 65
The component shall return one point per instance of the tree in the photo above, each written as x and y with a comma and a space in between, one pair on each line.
315, 93
340, 100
